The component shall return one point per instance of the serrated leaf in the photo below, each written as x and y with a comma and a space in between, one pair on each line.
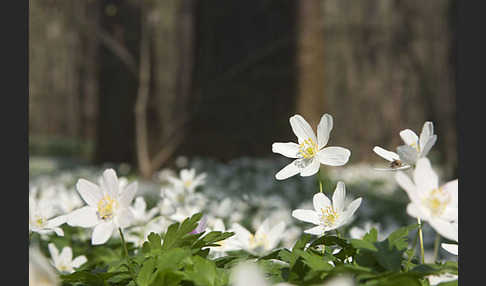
363, 244
147, 272
176, 232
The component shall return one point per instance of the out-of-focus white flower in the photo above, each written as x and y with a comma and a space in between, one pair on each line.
41, 272
429, 202
394, 158
68, 201
358, 233
140, 213
437, 279
228, 244
310, 151
139, 234
326, 215
188, 180
415, 147
108, 206
266, 238
451, 248
248, 273
64, 261
340, 281
40, 222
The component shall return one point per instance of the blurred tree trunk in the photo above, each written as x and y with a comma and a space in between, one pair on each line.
310, 61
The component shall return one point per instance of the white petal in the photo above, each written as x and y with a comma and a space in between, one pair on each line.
387, 155
450, 247
90, 192
334, 156
444, 228
407, 154
241, 234
404, 181
311, 169
425, 150
78, 261
83, 217
127, 194
102, 232
409, 137
351, 209
338, 197
301, 128
111, 182
288, 171
275, 234
66, 254
306, 215
123, 218
414, 210
324, 129
289, 149
452, 188
426, 134
320, 201
58, 231
317, 230
57, 221
54, 252
424, 177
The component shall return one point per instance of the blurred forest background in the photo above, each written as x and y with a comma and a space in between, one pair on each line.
144, 81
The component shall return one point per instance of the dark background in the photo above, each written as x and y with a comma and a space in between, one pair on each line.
144, 81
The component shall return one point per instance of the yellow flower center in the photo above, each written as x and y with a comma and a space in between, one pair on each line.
329, 216
416, 146
188, 183
106, 207
260, 240
437, 201
308, 148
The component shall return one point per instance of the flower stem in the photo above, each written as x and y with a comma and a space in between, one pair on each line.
320, 180
123, 242
436, 246
421, 241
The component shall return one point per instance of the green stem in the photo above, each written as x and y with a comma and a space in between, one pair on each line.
337, 233
123, 242
436, 246
421, 241
320, 181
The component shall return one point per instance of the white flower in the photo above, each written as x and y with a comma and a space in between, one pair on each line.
437, 279
247, 273
451, 248
266, 238
326, 215
68, 201
107, 209
310, 151
228, 244
41, 273
139, 234
429, 202
344, 280
188, 180
358, 233
415, 147
394, 158
140, 213
39, 220
64, 261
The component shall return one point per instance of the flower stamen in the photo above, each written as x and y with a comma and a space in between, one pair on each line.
106, 207
308, 148
329, 216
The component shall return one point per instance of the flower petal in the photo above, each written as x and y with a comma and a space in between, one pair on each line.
66, 254
289, 149
288, 171
320, 202
301, 128
451, 247
275, 234
83, 217
444, 228
324, 129
90, 192
425, 150
111, 182
54, 252
409, 137
406, 183
414, 210
123, 218
426, 134
102, 232
127, 194
424, 176
385, 154
407, 154
338, 197
351, 209
317, 230
78, 261
311, 169
334, 156
452, 188
306, 215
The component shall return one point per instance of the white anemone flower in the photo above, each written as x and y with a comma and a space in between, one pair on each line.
395, 162
40, 221
451, 248
107, 209
416, 147
438, 205
228, 244
266, 238
64, 261
41, 273
310, 151
188, 180
140, 213
326, 215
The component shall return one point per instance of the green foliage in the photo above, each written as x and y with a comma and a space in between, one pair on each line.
181, 258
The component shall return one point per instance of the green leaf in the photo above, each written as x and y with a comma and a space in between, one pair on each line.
205, 273
177, 231
147, 273
363, 244
399, 237
316, 262
371, 236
